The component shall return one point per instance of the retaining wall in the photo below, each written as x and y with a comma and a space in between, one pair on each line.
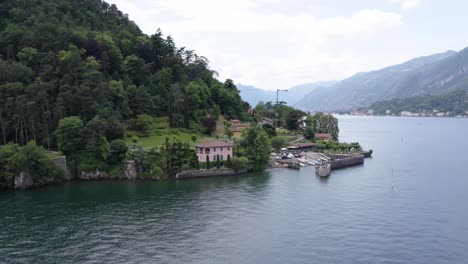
207, 173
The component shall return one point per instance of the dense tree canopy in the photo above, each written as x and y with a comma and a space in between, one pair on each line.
86, 59
322, 123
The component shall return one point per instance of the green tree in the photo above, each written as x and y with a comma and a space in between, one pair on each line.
322, 123
278, 143
118, 150
292, 119
69, 135
257, 148
228, 132
238, 163
309, 132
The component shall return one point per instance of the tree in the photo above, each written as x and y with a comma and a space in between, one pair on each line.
69, 135
257, 148
292, 119
210, 125
309, 132
278, 143
238, 163
228, 132
271, 131
33, 160
118, 149
322, 123
144, 123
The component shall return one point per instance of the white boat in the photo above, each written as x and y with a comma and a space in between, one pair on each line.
323, 169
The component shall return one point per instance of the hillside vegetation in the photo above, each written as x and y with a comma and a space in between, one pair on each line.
454, 103
431, 75
86, 59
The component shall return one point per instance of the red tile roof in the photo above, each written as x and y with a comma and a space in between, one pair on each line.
323, 135
214, 144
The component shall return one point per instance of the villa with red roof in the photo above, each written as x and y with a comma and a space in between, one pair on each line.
211, 150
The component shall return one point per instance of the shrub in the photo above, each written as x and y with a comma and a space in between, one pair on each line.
278, 143
31, 159
238, 163
118, 149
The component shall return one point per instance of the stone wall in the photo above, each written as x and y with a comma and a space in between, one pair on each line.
343, 161
61, 162
130, 171
93, 175
207, 173
23, 181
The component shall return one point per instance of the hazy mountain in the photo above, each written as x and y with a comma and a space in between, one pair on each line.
455, 103
253, 95
435, 74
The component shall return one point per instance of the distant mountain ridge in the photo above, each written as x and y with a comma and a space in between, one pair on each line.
253, 95
429, 75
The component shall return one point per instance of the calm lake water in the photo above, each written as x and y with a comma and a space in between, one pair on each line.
408, 204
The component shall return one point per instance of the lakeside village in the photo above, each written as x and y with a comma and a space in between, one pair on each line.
433, 113
155, 151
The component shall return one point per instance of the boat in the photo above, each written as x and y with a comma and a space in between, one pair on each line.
323, 169
294, 165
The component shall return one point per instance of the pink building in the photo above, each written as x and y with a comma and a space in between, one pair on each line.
212, 149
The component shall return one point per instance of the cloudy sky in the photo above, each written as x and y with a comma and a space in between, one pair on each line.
278, 44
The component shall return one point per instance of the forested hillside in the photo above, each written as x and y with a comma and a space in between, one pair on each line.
86, 58
429, 75
455, 103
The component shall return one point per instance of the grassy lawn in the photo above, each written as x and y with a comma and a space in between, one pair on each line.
286, 138
158, 137
283, 132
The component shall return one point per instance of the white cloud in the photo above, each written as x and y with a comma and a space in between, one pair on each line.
265, 49
406, 4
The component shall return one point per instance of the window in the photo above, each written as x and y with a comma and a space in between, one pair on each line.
229, 148
214, 149
214, 157
221, 148
222, 157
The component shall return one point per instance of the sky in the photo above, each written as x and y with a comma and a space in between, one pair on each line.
277, 44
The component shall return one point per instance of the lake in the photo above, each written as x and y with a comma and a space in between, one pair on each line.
407, 204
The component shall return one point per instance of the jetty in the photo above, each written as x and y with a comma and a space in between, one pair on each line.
339, 161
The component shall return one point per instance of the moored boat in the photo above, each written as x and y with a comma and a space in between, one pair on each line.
323, 169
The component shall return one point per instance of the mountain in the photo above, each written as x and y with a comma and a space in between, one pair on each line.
450, 104
253, 95
434, 74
